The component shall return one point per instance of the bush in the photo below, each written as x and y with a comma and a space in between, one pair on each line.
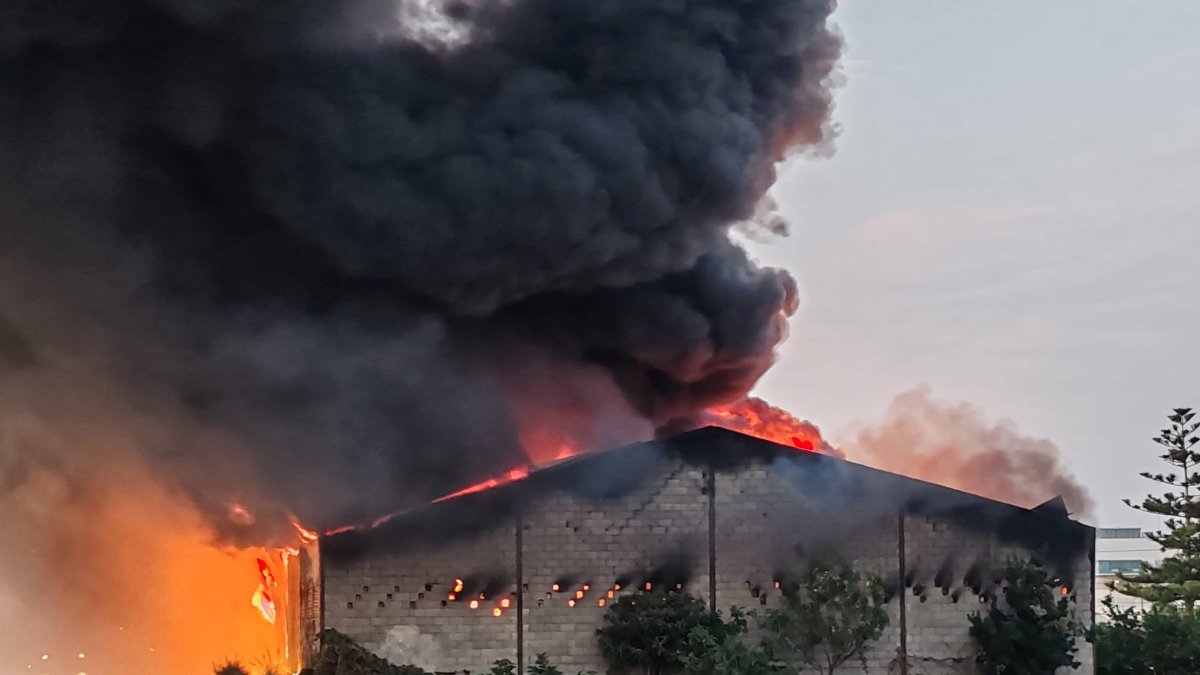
503, 667
1035, 634
827, 616
726, 653
649, 631
230, 668
1165, 640
540, 666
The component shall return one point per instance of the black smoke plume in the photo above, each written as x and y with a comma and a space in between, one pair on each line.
329, 257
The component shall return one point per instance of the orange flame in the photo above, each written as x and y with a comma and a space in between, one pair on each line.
510, 477
756, 417
307, 536
264, 571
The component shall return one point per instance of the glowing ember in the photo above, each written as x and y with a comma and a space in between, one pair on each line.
451, 597
474, 604
1066, 591
510, 477
756, 417
505, 603
556, 588
458, 585
571, 603
600, 602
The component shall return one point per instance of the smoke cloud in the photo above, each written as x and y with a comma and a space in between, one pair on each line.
321, 258
334, 259
954, 444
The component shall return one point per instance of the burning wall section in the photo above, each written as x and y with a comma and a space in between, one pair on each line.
557, 547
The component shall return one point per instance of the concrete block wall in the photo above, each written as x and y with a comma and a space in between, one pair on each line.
662, 526
770, 526
937, 617
769, 521
939, 558
397, 603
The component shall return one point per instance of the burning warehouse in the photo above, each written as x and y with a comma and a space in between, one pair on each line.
277, 261
529, 565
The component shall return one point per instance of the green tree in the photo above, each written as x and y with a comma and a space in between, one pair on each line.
1164, 641
1034, 634
726, 651
827, 616
648, 631
1177, 578
1120, 643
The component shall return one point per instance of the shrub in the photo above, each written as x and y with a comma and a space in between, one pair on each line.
1165, 640
726, 653
230, 668
503, 667
649, 631
1035, 634
541, 666
827, 616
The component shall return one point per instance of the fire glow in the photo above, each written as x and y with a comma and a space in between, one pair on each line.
755, 417
512, 476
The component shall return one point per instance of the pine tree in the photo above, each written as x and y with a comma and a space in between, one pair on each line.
1177, 578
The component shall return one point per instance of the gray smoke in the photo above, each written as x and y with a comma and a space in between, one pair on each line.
955, 444
323, 257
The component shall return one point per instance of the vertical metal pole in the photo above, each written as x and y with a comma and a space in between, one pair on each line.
903, 652
712, 539
520, 592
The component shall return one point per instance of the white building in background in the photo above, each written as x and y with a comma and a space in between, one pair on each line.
1121, 549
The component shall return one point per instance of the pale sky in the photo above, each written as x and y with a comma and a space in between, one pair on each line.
1010, 217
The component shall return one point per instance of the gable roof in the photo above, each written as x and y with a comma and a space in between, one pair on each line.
612, 473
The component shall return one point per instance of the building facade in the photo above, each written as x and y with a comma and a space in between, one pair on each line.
1122, 550
530, 567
